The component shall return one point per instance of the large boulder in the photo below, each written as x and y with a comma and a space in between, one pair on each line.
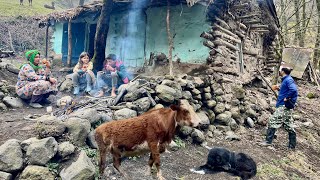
185, 131
186, 95
219, 108
36, 173
13, 102
26, 143
5, 176
238, 92
89, 114
204, 118
1, 95
91, 141
142, 104
65, 149
40, 152
66, 85
11, 157
78, 130
81, 169
124, 113
49, 128
198, 82
166, 93
3, 107
223, 118
198, 136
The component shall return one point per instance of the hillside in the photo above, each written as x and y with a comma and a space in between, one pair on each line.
13, 8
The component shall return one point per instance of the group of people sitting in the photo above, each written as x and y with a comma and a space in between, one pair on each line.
36, 84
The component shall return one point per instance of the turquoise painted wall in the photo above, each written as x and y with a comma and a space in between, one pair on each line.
186, 25
57, 38
126, 36
133, 36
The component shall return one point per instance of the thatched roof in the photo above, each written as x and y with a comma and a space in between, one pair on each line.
94, 7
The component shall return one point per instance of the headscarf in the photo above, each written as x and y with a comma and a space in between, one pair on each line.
30, 55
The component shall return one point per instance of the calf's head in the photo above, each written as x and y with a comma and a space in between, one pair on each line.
185, 114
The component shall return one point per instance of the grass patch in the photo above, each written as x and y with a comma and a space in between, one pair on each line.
267, 171
179, 142
13, 8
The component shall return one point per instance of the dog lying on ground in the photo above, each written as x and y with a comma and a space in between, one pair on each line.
223, 160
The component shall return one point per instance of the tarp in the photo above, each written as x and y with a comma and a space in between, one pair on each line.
298, 59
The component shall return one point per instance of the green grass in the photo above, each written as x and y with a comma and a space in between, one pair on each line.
12, 8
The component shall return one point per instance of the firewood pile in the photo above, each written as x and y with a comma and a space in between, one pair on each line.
241, 38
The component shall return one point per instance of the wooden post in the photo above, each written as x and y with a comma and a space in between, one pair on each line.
47, 34
169, 39
69, 59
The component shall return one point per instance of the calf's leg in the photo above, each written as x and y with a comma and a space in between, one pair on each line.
156, 158
117, 161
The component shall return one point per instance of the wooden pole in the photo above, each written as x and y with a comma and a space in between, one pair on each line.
47, 34
69, 59
169, 39
264, 79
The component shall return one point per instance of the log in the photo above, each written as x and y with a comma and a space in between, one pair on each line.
209, 44
314, 75
225, 70
242, 26
225, 36
241, 35
261, 57
6, 53
261, 30
255, 26
241, 6
119, 96
251, 52
223, 23
216, 26
207, 35
221, 42
247, 16
253, 21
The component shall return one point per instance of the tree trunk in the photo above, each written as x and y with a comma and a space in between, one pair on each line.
317, 44
169, 39
69, 59
101, 35
81, 2
284, 20
304, 23
297, 33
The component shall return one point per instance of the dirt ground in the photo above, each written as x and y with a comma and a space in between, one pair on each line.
273, 163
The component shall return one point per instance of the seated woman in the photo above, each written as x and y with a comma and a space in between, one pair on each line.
112, 75
34, 81
83, 77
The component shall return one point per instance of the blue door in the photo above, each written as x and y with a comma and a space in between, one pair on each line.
78, 44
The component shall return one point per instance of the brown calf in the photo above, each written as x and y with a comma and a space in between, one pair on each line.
151, 131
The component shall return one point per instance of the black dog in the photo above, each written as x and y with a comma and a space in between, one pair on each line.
221, 159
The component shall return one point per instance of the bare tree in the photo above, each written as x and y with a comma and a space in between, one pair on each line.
316, 55
101, 34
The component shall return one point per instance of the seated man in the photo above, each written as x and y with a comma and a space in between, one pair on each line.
112, 75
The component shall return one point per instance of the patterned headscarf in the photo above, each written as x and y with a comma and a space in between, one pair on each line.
30, 55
